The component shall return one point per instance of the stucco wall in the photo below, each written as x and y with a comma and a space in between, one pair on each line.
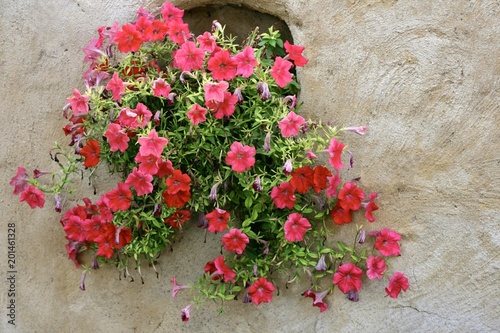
424, 76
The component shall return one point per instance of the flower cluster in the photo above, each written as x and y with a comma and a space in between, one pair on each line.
201, 126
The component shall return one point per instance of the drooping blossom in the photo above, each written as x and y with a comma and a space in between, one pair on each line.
257, 186
223, 270
281, 72
79, 103
217, 220
33, 197
310, 154
240, 157
291, 124
397, 283
93, 51
350, 196
117, 138
283, 195
39, 173
235, 241
348, 277
207, 42
361, 130
263, 90
129, 39
361, 236
375, 267
20, 180
189, 57
178, 218
222, 66
245, 62
288, 167
119, 198
352, 295
370, 207
140, 181
321, 265
197, 114
267, 142
176, 287
295, 53
116, 86
335, 150
185, 315
91, 152
302, 179
317, 298
152, 144
295, 227
225, 108
214, 91
160, 88
341, 215
387, 242
260, 291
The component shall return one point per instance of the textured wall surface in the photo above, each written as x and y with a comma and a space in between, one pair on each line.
424, 76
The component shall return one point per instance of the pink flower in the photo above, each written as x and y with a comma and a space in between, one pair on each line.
160, 88
295, 53
222, 66
215, 91
207, 42
397, 283
148, 164
246, 62
140, 181
283, 195
348, 277
370, 207
170, 13
375, 267
116, 86
129, 39
33, 197
189, 57
261, 291
223, 270
224, 108
143, 115
119, 198
178, 32
317, 298
333, 183
295, 227
361, 130
152, 144
185, 312
117, 138
387, 242
290, 125
176, 288
217, 220
78, 102
156, 31
310, 154
19, 181
281, 72
335, 150
240, 158
197, 114
235, 240
350, 196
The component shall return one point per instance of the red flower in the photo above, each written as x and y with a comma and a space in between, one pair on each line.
178, 32
321, 175
317, 298
129, 39
375, 267
240, 157
178, 182
91, 153
116, 86
281, 72
33, 197
155, 31
302, 179
78, 102
119, 198
387, 242
290, 125
245, 62
370, 207
397, 283
222, 66
350, 197
215, 91
152, 144
295, 53
170, 13
165, 168
19, 181
223, 270
295, 227
189, 57
160, 88
197, 114
176, 200
92, 227
140, 181
335, 150
224, 108
348, 277
178, 218
74, 228
235, 240
217, 220
117, 138
261, 291
340, 215
283, 195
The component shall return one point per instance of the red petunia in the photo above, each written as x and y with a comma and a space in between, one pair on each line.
283, 195
74, 228
170, 13
217, 220
129, 39
291, 124
223, 270
225, 108
295, 227
178, 218
350, 196
235, 240
178, 182
321, 175
348, 277
302, 179
178, 32
176, 200
375, 267
156, 31
261, 291
370, 207
397, 283
152, 144
222, 66
245, 62
240, 157
295, 53
91, 153
281, 72
189, 57
197, 114
387, 242
119, 198
317, 298
335, 149
117, 138
341, 215
33, 197
140, 181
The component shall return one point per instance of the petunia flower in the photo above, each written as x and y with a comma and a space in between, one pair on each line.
317, 298
370, 207
302, 179
283, 195
320, 178
119, 198
176, 287
387, 242
91, 152
20, 180
156, 31
214, 91
225, 108
290, 125
261, 291
116, 86
348, 277
397, 283
178, 199
263, 90
341, 215
178, 218
189, 57
240, 157
246, 62
350, 196
321, 265
223, 270
361, 130
129, 39
335, 150
295, 53
178, 182
288, 167
217, 220
152, 144
140, 181
281, 71
332, 185
178, 32
222, 66
295, 227
117, 138
207, 42
185, 313
170, 13
375, 267
160, 88
33, 197
235, 241
78, 102
148, 164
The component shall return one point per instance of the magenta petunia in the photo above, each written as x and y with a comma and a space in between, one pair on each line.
116, 86
189, 57
19, 181
160, 88
140, 181
214, 91
397, 283
295, 227
375, 267
348, 277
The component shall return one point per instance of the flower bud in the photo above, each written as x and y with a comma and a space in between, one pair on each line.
288, 167
263, 90
362, 236
237, 93
290, 98
256, 185
216, 25
213, 192
321, 266
58, 205
353, 295
267, 142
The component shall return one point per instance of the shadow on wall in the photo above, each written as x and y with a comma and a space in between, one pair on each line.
239, 21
